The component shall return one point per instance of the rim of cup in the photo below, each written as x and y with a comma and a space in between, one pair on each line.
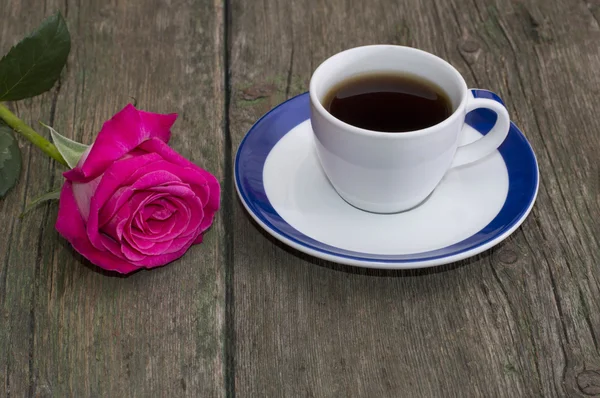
381, 134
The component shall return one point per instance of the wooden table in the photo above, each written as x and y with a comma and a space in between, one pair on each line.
242, 315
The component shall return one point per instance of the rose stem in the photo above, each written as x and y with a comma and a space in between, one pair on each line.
22, 128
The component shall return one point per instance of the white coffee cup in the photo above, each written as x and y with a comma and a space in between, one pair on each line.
392, 172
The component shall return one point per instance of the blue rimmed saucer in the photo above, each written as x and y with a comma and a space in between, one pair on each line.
281, 184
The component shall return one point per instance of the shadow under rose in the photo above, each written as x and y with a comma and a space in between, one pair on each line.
89, 265
386, 273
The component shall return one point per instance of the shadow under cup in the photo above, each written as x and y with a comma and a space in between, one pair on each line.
376, 171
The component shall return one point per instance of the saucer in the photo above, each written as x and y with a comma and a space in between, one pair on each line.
282, 185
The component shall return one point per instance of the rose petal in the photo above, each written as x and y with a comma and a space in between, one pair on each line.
135, 205
182, 219
165, 258
177, 244
140, 243
116, 226
131, 253
158, 125
83, 195
156, 230
112, 246
160, 210
147, 214
189, 233
71, 226
204, 184
156, 146
176, 189
187, 175
153, 249
104, 190
115, 188
110, 181
119, 135
201, 182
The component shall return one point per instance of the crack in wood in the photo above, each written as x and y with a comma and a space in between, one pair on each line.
289, 73
228, 210
533, 344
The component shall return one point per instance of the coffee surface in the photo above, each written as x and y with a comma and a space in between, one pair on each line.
388, 102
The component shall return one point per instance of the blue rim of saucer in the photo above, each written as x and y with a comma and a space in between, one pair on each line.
268, 130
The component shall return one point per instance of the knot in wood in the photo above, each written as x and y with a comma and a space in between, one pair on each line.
588, 382
258, 91
42, 391
507, 256
469, 46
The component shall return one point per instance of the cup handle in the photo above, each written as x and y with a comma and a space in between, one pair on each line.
487, 144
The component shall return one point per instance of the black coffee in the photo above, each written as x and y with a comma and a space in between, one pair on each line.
388, 102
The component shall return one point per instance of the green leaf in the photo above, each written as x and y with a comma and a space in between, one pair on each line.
10, 160
34, 64
52, 195
70, 150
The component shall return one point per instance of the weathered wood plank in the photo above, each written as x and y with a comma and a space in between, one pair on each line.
520, 320
17, 282
67, 329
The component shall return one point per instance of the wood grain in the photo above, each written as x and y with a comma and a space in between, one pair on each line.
68, 329
522, 319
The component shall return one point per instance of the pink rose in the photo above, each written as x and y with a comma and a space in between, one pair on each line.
132, 202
